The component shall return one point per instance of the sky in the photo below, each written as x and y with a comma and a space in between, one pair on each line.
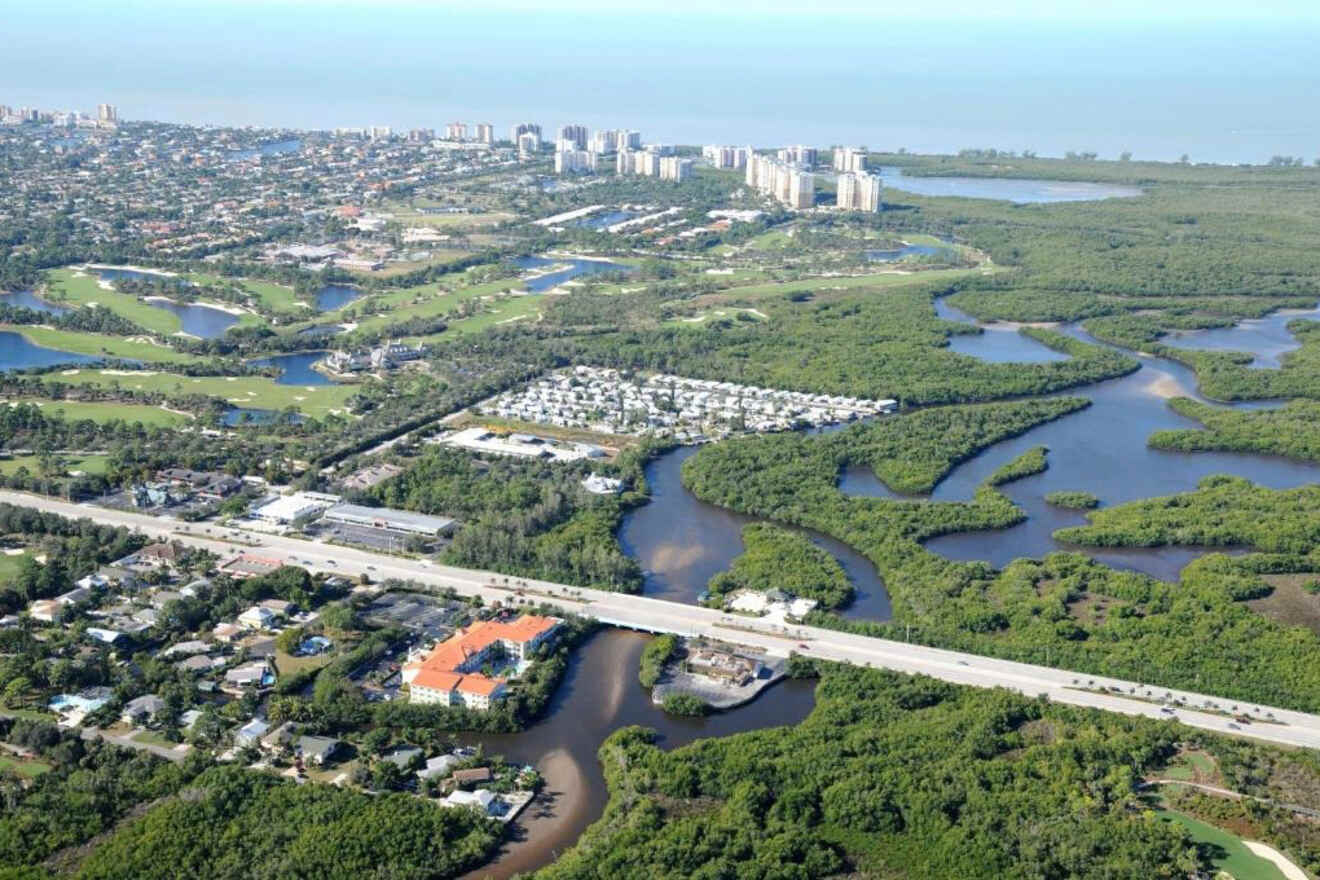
1221, 81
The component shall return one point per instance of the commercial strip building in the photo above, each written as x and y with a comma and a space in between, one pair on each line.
295, 509
447, 674
386, 518
520, 445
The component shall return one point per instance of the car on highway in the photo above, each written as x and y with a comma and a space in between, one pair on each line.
802, 645
1167, 710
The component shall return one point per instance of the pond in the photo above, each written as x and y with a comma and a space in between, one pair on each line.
296, 369
17, 353
1025, 191
237, 416
336, 296
575, 268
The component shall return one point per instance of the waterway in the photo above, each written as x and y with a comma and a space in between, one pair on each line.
296, 369
1025, 191
682, 542
575, 269
1268, 338
26, 299
599, 695
17, 353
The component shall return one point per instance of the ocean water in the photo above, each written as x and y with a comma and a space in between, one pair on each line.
1235, 91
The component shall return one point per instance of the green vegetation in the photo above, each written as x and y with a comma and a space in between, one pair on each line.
299, 829
525, 517
1292, 430
863, 342
1224, 511
659, 651
1031, 462
1074, 498
890, 776
775, 558
104, 412
1065, 610
685, 704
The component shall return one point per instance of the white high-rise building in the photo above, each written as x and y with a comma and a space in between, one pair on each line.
107, 113
798, 155
575, 133
859, 191
522, 128
646, 163
675, 168
485, 133
788, 184
850, 159
625, 139
381, 132
604, 141
726, 157
456, 131
575, 162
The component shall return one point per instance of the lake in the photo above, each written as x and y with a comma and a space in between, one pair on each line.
1025, 191
1268, 337
198, 320
17, 353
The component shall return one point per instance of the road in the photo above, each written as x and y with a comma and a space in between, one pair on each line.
1270, 724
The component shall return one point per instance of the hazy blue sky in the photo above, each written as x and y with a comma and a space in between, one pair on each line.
1222, 81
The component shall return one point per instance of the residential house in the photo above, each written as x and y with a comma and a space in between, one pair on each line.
141, 709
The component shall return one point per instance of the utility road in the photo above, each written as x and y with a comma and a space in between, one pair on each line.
1280, 726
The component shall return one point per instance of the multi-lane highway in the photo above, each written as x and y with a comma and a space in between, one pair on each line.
656, 615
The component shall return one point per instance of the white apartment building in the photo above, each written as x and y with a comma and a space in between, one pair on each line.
456, 131
574, 161
577, 134
726, 157
626, 139
798, 155
107, 113
647, 163
529, 144
859, 192
485, 133
850, 160
604, 141
675, 168
788, 184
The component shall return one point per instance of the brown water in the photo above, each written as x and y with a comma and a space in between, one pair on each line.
599, 695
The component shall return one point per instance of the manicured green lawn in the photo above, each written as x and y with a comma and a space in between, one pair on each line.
91, 464
100, 345
276, 297
29, 769
258, 392
109, 411
10, 564
1232, 856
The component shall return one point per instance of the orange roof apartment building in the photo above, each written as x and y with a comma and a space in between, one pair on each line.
447, 674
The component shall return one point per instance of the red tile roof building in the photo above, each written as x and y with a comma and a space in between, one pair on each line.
448, 673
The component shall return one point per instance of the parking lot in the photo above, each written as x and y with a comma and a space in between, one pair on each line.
365, 536
430, 617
